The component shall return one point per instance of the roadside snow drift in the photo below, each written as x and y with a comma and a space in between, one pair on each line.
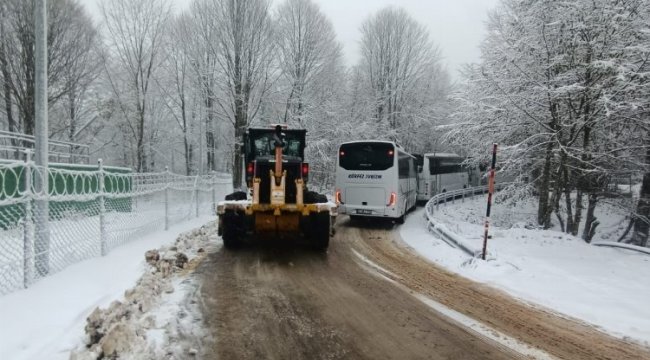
603, 286
159, 317
47, 320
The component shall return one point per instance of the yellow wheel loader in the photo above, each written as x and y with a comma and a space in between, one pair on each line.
278, 203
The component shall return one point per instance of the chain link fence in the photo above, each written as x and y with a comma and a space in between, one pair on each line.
86, 213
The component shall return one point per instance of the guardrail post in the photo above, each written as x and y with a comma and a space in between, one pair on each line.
453, 197
196, 195
166, 198
463, 198
437, 203
28, 225
102, 208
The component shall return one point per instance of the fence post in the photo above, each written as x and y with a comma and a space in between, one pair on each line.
102, 208
28, 226
196, 194
166, 198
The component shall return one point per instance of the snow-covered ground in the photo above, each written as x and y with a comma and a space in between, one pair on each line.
46, 321
603, 286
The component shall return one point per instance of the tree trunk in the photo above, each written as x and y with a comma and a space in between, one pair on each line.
6, 84
590, 221
577, 217
73, 114
543, 213
141, 159
642, 219
6, 76
567, 199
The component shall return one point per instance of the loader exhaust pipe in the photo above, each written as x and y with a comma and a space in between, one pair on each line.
279, 145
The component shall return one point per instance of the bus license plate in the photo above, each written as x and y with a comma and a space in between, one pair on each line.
364, 211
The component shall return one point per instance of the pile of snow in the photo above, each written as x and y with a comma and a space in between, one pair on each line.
159, 317
46, 321
603, 286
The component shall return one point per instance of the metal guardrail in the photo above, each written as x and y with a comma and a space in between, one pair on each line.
612, 244
452, 196
454, 240
13, 145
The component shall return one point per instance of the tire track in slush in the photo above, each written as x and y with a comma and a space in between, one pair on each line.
553, 333
283, 301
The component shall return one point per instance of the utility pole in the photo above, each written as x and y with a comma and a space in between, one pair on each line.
41, 208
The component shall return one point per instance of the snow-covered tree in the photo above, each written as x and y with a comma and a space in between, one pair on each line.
556, 88
307, 48
400, 71
135, 31
71, 39
241, 44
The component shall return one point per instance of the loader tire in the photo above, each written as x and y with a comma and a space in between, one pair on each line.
236, 196
312, 197
232, 230
320, 237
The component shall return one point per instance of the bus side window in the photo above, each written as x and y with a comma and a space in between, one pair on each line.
412, 173
403, 167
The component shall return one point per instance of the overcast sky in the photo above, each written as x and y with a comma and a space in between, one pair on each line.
457, 26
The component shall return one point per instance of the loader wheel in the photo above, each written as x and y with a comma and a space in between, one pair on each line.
320, 235
312, 197
232, 223
236, 196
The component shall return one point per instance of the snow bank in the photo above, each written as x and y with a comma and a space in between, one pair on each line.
603, 286
47, 320
159, 316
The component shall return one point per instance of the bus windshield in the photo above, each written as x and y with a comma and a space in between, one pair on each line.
367, 156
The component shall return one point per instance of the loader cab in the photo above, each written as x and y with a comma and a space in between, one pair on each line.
259, 157
259, 144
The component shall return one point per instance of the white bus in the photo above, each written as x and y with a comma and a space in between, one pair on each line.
442, 172
375, 179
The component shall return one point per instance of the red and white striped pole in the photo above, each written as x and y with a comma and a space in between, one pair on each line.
489, 200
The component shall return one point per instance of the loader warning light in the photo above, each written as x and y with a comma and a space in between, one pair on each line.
249, 169
305, 169
390, 152
342, 153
